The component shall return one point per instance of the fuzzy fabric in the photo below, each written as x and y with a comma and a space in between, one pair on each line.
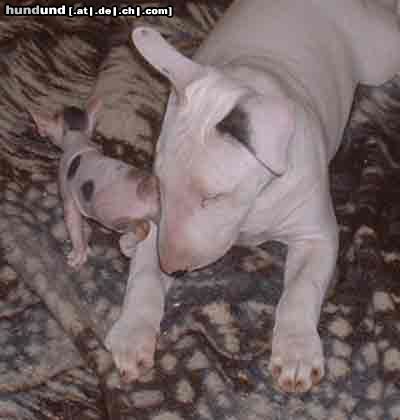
213, 355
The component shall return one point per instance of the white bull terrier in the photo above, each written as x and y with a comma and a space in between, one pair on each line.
251, 125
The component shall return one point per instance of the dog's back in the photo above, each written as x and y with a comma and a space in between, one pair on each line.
288, 30
324, 48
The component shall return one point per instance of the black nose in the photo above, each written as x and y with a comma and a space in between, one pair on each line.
179, 273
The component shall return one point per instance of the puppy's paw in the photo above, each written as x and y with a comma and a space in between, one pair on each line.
297, 361
128, 243
77, 257
132, 345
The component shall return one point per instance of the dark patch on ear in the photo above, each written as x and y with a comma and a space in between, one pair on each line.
75, 119
236, 124
73, 167
87, 189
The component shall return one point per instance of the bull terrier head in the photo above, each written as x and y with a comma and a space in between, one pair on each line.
221, 143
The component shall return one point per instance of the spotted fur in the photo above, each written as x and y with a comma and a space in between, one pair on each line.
87, 189
73, 167
75, 119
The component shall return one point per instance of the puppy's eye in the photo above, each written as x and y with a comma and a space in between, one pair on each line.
211, 199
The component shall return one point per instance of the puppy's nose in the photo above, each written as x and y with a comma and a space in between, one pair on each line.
179, 273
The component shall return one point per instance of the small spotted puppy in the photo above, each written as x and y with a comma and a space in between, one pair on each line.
94, 186
125, 200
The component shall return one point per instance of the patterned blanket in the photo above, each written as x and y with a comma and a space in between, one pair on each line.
212, 357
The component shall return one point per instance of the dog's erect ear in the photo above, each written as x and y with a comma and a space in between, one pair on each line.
265, 125
92, 108
50, 126
177, 68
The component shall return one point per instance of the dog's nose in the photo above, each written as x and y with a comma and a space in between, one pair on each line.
179, 273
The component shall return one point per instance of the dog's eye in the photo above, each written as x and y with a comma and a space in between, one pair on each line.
211, 199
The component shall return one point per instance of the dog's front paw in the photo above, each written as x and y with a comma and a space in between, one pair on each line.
297, 361
132, 345
77, 257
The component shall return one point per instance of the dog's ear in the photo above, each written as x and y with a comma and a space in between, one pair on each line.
177, 68
50, 126
92, 108
265, 126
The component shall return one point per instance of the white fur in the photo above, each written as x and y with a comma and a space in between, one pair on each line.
132, 339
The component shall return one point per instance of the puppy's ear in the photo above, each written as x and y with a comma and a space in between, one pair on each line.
177, 68
49, 126
265, 126
92, 108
